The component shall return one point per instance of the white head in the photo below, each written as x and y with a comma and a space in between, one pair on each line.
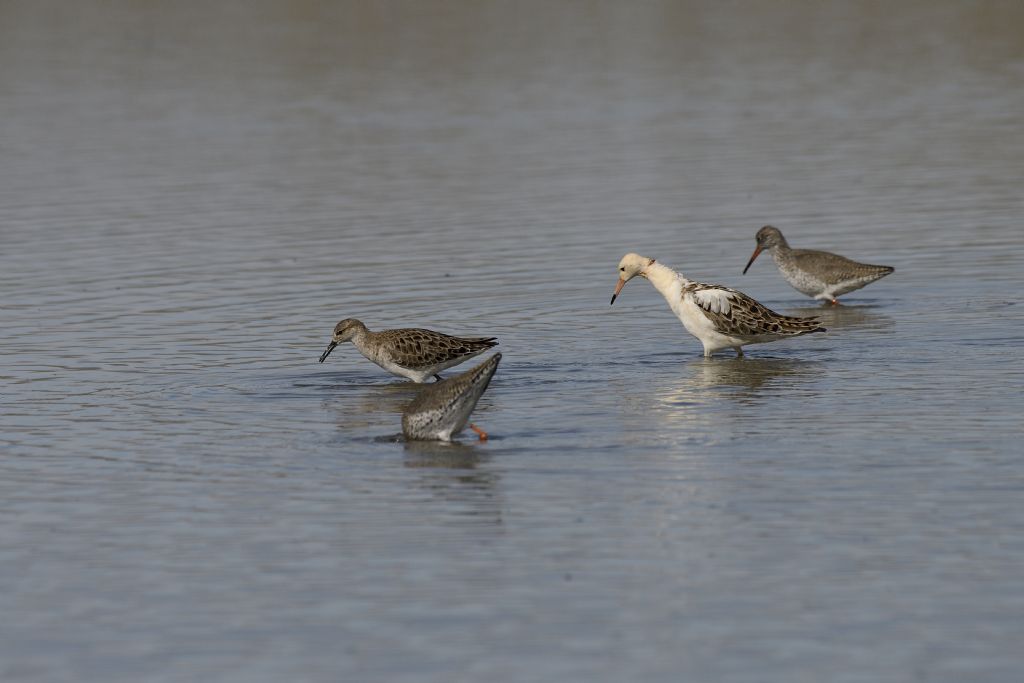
630, 266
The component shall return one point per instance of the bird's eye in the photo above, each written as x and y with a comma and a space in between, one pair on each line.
622, 269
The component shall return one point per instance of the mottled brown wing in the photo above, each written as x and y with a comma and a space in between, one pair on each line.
419, 348
735, 314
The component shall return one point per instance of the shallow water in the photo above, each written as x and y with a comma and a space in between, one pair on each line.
191, 197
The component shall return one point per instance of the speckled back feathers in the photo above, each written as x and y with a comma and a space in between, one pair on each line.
829, 268
442, 409
743, 317
418, 348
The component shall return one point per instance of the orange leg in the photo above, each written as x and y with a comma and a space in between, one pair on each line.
479, 432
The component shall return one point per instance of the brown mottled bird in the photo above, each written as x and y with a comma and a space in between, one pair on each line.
818, 274
442, 409
721, 318
412, 352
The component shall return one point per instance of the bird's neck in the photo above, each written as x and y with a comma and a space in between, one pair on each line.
664, 279
781, 247
361, 338
781, 253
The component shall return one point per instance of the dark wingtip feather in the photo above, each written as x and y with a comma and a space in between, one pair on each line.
809, 325
814, 320
881, 271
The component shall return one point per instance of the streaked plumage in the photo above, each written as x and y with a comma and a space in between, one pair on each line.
718, 316
414, 353
441, 410
818, 274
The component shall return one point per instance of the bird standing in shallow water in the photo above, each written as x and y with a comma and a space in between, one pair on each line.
719, 317
441, 410
818, 274
413, 353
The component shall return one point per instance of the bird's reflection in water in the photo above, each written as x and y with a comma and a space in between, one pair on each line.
451, 455
746, 380
846, 316
451, 473
362, 406
696, 402
388, 398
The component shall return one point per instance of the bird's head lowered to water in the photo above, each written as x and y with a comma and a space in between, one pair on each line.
630, 266
767, 238
344, 331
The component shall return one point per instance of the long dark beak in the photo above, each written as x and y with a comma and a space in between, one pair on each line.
756, 252
618, 288
330, 347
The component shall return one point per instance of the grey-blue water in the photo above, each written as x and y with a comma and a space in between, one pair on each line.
193, 194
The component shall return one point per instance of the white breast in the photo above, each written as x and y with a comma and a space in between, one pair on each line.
693, 319
417, 376
699, 325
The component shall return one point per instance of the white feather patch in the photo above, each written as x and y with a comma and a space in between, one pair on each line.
714, 300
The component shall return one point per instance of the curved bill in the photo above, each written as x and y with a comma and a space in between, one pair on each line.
618, 288
756, 252
330, 347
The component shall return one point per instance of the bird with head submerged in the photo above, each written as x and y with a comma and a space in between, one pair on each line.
441, 410
720, 317
414, 353
818, 274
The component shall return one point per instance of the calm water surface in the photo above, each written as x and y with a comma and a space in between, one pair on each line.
192, 196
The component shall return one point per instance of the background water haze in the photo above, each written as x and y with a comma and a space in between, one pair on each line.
193, 194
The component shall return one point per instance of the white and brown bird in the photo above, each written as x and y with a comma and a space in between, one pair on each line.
720, 317
414, 353
818, 274
442, 409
